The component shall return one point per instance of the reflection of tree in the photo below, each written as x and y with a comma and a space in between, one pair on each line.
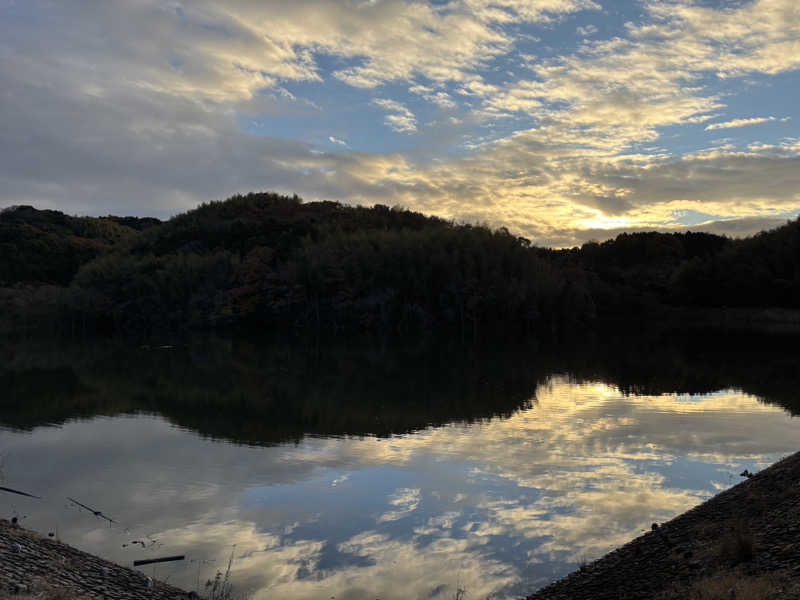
269, 393
764, 366
265, 393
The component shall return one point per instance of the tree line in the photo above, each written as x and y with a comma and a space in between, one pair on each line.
267, 262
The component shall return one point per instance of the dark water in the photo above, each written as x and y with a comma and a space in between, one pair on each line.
370, 471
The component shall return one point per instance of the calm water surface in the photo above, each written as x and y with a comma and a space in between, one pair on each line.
314, 503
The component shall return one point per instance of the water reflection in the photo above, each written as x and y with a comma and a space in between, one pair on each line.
544, 460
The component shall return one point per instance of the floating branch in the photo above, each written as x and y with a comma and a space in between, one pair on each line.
150, 561
96, 513
142, 543
5, 489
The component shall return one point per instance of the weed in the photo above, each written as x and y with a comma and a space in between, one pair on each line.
583, 563
220, 588
737, 545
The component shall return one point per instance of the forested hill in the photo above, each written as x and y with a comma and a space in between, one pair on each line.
265, 261
47, 246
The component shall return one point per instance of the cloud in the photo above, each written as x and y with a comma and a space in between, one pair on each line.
219, 54
739, 123
136, 108
548, 190
440, 98
397, 40
399, 119
573, 168
753, 37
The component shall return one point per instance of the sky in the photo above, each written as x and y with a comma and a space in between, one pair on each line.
562, 120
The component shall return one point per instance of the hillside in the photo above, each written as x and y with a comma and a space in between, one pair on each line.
46, 246
267, 262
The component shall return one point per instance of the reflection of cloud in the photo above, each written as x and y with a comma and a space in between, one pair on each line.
594, 514
260, 559
405, 500
340, 480
508, 502
438, 524
403, 570
584, 447
273, 568
570, 422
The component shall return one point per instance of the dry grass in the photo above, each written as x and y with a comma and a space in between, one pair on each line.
41, 590
731, 585
737, 545
744, 588
755, 504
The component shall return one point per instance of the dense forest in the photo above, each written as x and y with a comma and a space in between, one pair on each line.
266, 262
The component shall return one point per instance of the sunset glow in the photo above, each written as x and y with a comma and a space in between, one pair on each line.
563, 120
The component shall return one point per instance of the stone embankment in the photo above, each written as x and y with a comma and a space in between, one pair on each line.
743, 543
38, 567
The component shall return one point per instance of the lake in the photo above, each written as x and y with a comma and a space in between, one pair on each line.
367, 470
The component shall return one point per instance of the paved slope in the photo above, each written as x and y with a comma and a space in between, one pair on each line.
751, 531
29, 560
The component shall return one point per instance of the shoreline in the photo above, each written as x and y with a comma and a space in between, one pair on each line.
745, 539
36, 567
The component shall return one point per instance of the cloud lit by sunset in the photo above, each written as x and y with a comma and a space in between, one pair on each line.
563, 120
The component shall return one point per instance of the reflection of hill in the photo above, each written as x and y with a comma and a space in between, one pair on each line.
763, 366
270, 393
